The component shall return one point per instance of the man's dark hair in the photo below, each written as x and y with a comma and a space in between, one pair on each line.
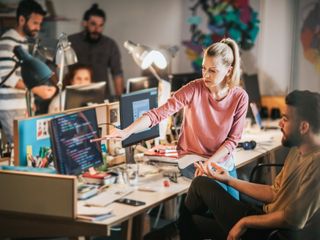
27, 7
94, 11
307, 105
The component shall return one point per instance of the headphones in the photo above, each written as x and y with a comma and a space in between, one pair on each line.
247, 145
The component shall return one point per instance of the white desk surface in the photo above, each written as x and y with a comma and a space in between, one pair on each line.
267, 142
123, 212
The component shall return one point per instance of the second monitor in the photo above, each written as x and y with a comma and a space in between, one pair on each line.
132, 106
83, 95
140, 83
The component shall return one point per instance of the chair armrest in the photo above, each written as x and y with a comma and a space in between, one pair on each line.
262, 165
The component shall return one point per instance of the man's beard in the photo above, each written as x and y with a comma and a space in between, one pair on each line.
292, 140
29, 32
93, 37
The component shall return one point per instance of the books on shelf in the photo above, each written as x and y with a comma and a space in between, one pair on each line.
162, 153
100, 178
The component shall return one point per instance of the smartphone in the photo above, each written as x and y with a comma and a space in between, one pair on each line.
130, 202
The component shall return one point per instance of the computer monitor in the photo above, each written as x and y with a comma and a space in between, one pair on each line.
83, 95
132, 106
181, 79
251, 85
70, 140
140, 83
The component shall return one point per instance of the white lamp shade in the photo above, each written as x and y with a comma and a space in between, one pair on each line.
69, 55
144, 56
157, 58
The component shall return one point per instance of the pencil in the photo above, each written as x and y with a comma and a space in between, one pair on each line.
99, 139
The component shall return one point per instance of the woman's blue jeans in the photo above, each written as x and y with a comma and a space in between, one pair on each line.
233, 192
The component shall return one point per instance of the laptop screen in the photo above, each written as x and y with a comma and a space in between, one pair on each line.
256, 114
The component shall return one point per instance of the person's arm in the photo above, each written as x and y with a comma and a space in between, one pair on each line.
260, 192
43, 91
154, 116
116, 68
118, 85
20, 84
269, 220
219, 155
142, 123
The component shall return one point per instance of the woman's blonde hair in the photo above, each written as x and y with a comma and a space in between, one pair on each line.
228, 50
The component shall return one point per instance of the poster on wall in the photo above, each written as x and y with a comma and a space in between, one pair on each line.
212, 20
307, 61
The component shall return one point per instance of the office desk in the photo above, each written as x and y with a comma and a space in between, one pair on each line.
268, 141
25, 225
28, 225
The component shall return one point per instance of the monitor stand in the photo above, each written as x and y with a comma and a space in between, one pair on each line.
133, 170
130, 155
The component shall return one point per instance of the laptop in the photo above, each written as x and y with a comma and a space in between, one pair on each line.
257, 118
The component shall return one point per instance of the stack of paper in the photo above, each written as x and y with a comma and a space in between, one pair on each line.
93, 213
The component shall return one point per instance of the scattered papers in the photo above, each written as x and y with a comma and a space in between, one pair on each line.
93, 213
108, 196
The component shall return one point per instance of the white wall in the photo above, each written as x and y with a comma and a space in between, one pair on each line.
275, 46
149, 22
163, 23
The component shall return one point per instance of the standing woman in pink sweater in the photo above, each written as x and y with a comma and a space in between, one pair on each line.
215, 108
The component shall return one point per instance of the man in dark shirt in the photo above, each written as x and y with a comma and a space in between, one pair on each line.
99, 51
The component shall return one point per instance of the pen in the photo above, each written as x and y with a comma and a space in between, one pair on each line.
99, 139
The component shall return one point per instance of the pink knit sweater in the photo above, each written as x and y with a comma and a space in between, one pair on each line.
207, 123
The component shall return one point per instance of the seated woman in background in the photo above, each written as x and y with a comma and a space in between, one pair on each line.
79, 74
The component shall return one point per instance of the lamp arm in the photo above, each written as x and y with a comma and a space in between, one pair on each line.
154, 72
12, 71
60, 82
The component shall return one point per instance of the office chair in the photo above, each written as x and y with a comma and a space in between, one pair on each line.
259, 166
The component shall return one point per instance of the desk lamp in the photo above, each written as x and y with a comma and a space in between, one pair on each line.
145, 57
65, 56
33, 71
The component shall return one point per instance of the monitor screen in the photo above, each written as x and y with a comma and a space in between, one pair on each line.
251, 85
132, 106
70, 139
82, 95
178, 80
140, 83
